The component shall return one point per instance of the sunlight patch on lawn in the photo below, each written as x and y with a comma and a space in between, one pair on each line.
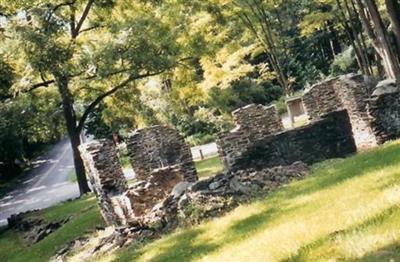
325, 216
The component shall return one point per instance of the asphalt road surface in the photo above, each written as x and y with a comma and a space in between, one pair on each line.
46, 185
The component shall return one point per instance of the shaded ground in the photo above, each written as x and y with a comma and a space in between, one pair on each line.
44, 186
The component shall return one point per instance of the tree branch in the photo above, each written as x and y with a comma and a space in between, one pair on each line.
35, 86
90, 28
110, 92
83, 18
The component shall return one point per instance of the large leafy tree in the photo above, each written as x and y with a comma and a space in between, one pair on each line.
88, 50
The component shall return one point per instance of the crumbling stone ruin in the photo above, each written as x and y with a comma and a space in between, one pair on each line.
160, 159
253, 123
348, 92
259, 155
107, 179
384, 111
157, 147
347, 113
330, 136
162, 194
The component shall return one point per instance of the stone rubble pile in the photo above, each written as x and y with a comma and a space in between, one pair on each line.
34, 229
201, 200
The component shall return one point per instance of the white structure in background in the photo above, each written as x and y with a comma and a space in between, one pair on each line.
204, 151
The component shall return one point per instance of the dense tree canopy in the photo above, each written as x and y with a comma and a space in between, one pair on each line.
105, 66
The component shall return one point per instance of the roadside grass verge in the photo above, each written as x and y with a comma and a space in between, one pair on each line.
84, 217
346, 210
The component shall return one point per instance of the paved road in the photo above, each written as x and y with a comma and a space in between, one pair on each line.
45, 185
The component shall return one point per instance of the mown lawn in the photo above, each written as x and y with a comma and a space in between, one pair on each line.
209, 167
347, 210
84, 217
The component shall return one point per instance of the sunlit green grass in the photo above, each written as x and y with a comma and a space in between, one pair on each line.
209, 167
84, 217
346, 210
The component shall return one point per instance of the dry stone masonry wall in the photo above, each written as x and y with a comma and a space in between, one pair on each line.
343, 111
328, 137
158, 147
106, 177
161, 159
253, 123
348, 92
384, 111
321, 99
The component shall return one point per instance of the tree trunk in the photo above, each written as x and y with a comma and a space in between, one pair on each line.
352, 36
393, 9
73, 132
382, 45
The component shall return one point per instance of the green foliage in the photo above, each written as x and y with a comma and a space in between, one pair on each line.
243, 92
26, 123
344, 63
281, 105
7, 78
95, 124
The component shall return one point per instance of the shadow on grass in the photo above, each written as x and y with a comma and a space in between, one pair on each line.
186, 246
333, 172
175, 250
303, 254
389, 253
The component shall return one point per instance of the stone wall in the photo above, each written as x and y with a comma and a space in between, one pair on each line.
384, 111
106, 177
353, 91
348, 92
157, 147
161, 160
253, 123
321, 99
329, 137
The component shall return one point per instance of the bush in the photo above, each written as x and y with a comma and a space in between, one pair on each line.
344, 63
281, 105
200, 139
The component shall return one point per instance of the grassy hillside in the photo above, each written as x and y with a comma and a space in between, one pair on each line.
84, 217
345, 210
